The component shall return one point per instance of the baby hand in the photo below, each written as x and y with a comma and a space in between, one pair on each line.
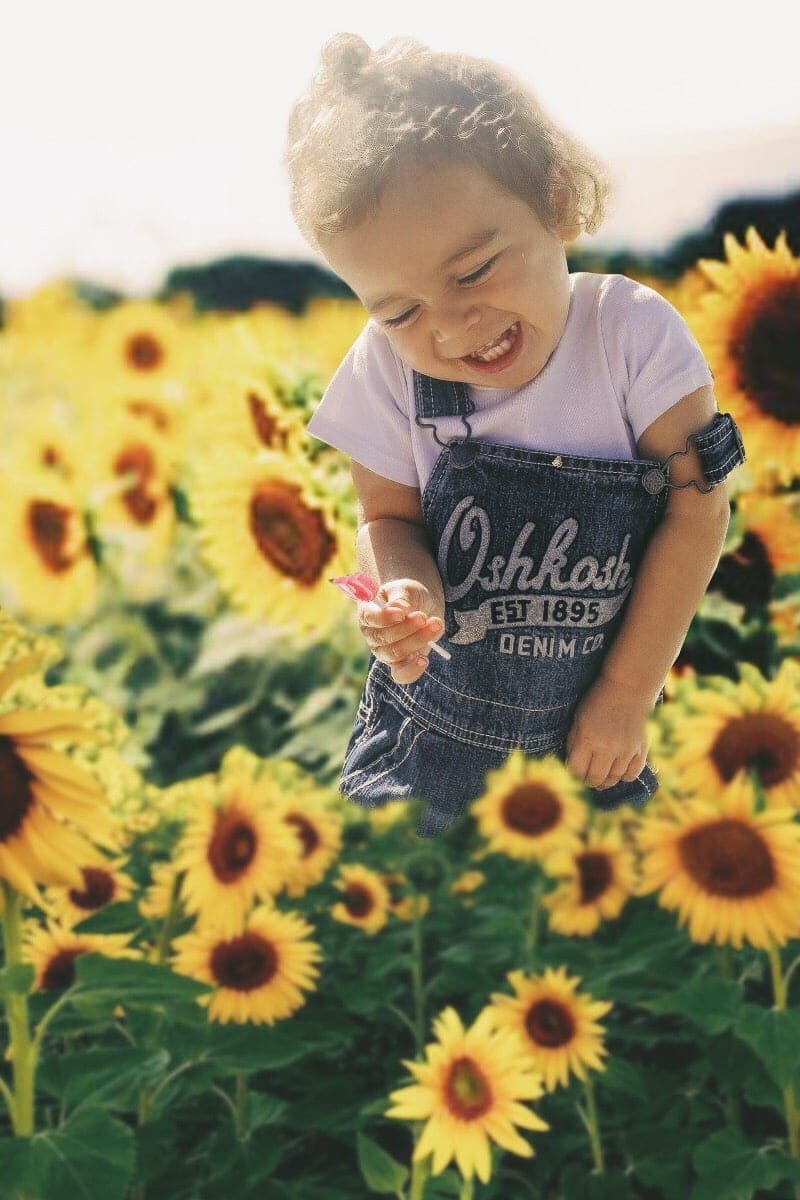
400, 633
607, 742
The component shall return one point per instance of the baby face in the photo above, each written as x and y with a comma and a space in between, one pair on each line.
450, 262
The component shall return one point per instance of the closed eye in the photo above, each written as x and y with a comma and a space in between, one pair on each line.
481, 271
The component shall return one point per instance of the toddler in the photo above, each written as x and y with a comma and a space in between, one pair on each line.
510, 427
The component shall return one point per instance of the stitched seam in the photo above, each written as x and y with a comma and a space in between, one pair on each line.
365, 782
488, 741
619, 466
499, 703
389, 750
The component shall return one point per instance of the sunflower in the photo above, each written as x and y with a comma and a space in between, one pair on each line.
468, 1092
529, 806
49, 332
770, 545
599, 874
404, 901
102, 886
126, 469
731, 873
273, 537
726, 728
258, 974
386, 816
233, 851
366, 902
557, 1028
49, 806
48, 571
143, 342
52, 950
318, 830
747, 324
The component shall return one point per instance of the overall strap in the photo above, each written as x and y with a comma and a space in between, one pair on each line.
441, 398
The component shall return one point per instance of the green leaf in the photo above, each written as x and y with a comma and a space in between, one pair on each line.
577, 1183
774, 1034
730, 1168
91, 1155
128, 981
713, 1004
381, 1172
113, 1076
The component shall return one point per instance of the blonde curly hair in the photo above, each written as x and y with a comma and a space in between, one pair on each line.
368, 113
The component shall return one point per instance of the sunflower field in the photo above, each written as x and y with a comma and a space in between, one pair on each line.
219, 977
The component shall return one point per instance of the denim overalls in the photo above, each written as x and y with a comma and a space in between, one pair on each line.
538, 553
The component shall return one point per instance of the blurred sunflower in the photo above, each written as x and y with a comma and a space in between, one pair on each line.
467, 882
728, 727
52, 950
468, 1092
233, 850
600, 875
748, 325
126, 469
258, 974
366, 902
49, 330
556, 1027
48, 572
102, 886
318, 830
404, 901
141, 341
49, 806
731, 873
327, 329
273, 537
529, 806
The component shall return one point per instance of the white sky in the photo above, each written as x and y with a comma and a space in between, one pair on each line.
138, 137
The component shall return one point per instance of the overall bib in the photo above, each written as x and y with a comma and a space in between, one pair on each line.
538, 553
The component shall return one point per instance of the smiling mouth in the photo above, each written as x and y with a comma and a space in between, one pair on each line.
495, 354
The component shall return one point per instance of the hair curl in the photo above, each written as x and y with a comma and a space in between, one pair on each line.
367, 113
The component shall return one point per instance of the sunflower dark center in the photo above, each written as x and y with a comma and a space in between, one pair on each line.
728, 858
60, 969
357, 900
765, 348
467, 1089
306, 831
243, 963
531, 808
288, 533
143, 351
762, 740
264, 423
48, 524
549, 1023
16, 797
138, 459
594, 873
232, 847
97, 890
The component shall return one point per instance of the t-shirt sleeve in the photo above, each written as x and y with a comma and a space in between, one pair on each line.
653, 355
364, 411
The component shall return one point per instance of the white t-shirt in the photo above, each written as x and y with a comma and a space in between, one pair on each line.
625, 356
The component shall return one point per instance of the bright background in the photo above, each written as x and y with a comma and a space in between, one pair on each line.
143, 137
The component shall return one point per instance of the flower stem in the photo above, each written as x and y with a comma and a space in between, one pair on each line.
592, 1124
241, 1106
420, 1171
466, 1192
168, 924
792, 1116
23, 1050
532, 928
418, 990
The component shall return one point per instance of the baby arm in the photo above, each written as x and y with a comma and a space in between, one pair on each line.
606, 742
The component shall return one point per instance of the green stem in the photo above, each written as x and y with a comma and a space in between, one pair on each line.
23, 1051
419, 1170
241, 1106
466, 1192
592, 1124
532, 928
168, 924
790, 1102
728, 969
